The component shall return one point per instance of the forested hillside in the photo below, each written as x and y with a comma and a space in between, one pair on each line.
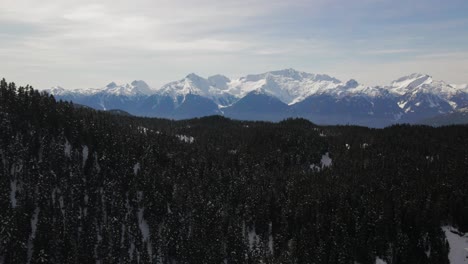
85, 186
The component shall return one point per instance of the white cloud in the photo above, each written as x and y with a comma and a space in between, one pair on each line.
389, 51
80, 43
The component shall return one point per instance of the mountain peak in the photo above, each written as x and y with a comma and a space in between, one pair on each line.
192, 76
219, 77
410, 83
419, 75
141, 87
137, 87
219, 81
352, 84
111, 85
140, 83
56, 90
287, 71
291, 73
412, 77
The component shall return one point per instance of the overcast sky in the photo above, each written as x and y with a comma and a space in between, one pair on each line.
83, 43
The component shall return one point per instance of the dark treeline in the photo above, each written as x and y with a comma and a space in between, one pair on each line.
84, 186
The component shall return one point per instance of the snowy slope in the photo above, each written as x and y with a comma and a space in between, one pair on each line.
289, 85
460, 86
60, 91
409, 83
126, 97
212, 88
137, 87
458, 243
134, 88
219, 81
410, 86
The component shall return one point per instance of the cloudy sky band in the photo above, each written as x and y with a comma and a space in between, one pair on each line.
89, 43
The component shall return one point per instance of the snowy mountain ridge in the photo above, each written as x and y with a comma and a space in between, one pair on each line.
211, 88
289, 85
313, 96
134, 88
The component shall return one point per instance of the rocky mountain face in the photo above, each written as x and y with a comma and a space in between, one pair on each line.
275, 95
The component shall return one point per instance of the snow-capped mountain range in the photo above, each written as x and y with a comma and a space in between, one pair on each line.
280, 94
132, 89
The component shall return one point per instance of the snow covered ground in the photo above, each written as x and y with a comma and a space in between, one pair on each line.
325, 162
32, 236
13, 187
186, 139
458, 243
380, 261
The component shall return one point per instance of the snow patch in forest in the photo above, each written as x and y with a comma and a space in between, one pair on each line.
85, 209
253, 238
428, 252
233, 151
458, 243
270, 238
85, 154
131, 250
321, 133
67, 148
186, 139
62, 205
142, 129
169, 211
122, 236
136, 168
99, 240
380, 261
96, 164
32, 236
16, 168
430, 158
325, 162
144, 227
53, 194
13, 186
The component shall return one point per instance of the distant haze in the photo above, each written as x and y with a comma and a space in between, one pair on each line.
81, 44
